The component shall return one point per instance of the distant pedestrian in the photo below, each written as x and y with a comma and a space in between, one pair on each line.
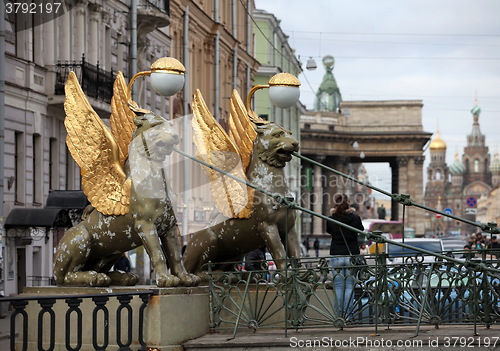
494, 246
316, 247
306, 244
363, 249
381, 212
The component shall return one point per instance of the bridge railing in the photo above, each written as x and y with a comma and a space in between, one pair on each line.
425, 292
98, 321
448, 290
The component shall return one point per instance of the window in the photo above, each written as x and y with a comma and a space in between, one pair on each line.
199, 216
53, 164
71, 172
438, 175
10, 34
37, 169
19, 168
476, 166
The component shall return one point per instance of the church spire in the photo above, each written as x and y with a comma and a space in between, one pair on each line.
475, 138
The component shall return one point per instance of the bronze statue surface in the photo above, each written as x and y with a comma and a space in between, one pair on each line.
256, 219
124, 179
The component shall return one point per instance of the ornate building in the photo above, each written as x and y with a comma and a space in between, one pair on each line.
345, 136
213, 39
456, 189
95, 40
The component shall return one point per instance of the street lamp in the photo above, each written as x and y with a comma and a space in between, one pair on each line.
311, 64
167, 77
283, 91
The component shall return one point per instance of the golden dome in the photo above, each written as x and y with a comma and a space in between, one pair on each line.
437, 143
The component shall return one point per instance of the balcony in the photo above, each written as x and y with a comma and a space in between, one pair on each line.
95, 82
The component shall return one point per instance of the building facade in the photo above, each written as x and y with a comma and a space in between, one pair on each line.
458, 188
214, 40
94, 39
275, 55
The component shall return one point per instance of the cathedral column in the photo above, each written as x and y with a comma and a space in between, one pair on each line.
409, 175
416, 184
400, 187
397, 165
317, 199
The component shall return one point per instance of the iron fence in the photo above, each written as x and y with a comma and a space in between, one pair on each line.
95, 82
446, 291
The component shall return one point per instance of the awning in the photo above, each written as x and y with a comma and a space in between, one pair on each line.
68, 199
37, 217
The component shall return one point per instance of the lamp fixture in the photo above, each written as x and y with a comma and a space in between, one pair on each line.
311, 64
283, 88
167, 77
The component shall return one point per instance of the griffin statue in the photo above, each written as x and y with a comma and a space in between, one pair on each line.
124, 180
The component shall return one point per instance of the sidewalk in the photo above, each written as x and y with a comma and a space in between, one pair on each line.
5, 332
460, 337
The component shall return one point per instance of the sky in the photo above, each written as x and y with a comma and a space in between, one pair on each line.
443, 52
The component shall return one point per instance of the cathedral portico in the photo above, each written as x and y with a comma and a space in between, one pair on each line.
403, 151
346, 134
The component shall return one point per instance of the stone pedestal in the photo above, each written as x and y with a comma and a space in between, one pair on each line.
171, 317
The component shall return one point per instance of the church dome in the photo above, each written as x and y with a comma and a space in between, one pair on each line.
437, 143
495, 165
476, 110
457, 167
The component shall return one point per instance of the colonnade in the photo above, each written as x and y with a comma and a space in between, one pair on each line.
406, 178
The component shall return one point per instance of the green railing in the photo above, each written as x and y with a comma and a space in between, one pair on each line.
384, 294
447, 290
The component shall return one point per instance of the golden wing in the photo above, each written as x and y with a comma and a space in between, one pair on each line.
122, 117
216, 148
241, 129
96, 152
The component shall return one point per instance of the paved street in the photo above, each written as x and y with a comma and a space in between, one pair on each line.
396, 338
4, 332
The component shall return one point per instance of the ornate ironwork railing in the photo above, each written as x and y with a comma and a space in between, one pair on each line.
96, 82
110, 312
447, 290
456, 291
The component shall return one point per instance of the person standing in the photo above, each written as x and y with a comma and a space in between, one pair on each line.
363, 249
494, 246
316, 247
344, 244
381, 212
306, 244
